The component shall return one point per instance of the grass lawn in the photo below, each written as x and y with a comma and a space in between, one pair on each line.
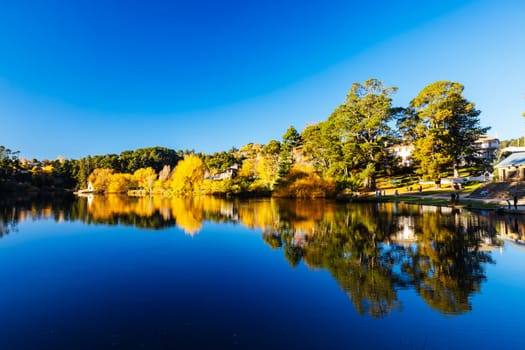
430, 194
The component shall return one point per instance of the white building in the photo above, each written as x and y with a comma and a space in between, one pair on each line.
228, 174
488, 148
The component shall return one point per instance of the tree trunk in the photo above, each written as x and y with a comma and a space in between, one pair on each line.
456, 170
370, 182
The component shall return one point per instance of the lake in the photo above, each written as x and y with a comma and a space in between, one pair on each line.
207, 273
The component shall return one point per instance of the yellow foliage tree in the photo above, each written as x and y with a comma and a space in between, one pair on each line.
100, 179
248, 168
267, 172
187, 176
211, 187
48, 169
303, 182
145, 177
118, 183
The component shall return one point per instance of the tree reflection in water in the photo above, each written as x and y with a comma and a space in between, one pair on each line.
360, 246
371, 250
446, 264
8, 220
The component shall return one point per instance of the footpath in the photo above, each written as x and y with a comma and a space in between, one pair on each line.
495, 196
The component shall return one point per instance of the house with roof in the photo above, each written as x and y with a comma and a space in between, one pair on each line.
228, 174
487, 147
512, 168
512, 149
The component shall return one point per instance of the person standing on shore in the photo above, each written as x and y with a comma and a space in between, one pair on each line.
515, 199
508, 199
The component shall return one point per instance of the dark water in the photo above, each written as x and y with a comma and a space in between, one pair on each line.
111, 273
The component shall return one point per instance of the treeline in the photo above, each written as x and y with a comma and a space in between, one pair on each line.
347, 151
519, 142
354, 144
19, 174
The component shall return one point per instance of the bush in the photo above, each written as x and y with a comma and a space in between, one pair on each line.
303, 182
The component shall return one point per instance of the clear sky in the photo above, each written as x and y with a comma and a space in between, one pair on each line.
99, 76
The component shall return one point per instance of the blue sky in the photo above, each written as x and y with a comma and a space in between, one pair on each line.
97, 77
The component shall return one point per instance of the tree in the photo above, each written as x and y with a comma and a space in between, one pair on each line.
188, 175
100, 179
290, 140
63, 173
268, 165
362, 125
219, 161
118, 183
154, 157
323, 147
248, 169
8, 162
443, 127
267, 172
272, 148
165, 173
81, 172
145, 177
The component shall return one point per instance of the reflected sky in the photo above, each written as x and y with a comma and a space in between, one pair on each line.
257, 275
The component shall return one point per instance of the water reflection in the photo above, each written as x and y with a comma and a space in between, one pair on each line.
371, 250
8, 220
447, 264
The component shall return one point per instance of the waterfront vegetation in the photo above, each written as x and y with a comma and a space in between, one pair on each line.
346, 153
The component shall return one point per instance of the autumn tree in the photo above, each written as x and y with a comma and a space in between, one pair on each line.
145, 177
248, 169
100, 178
165, 173
443, 126
268, 165
187, 176
118, 183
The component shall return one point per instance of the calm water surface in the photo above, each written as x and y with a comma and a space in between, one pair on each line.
113, 273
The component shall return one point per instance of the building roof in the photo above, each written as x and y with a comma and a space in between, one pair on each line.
483, 138
515, 159
512, 149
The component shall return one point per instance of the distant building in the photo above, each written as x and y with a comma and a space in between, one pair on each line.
228, 174
512, 168
487, 148
512, 149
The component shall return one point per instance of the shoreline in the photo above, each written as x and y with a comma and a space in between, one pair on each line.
435, 198
443, 200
